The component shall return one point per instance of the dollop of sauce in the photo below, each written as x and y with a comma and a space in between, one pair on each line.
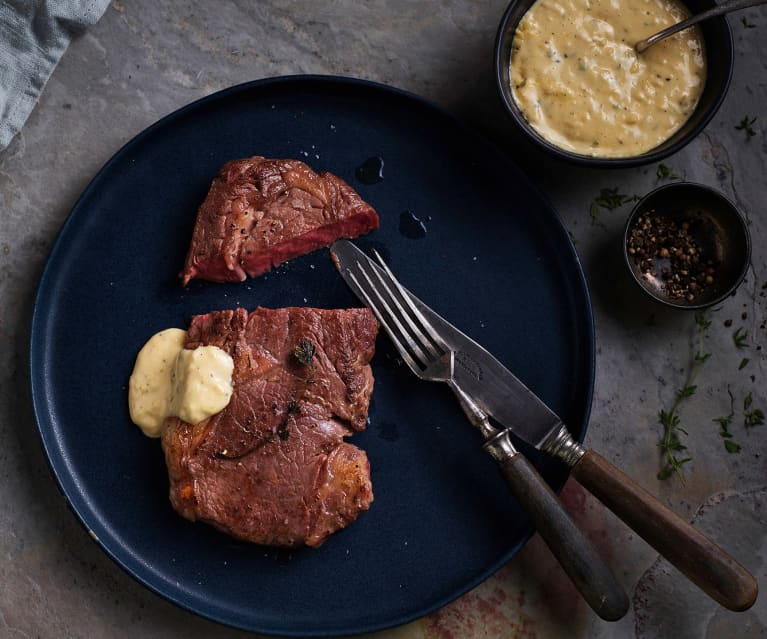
169, 380
581, 85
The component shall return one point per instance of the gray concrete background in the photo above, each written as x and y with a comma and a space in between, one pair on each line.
145, 59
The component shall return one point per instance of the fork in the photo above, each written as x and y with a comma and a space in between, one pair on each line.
431, 359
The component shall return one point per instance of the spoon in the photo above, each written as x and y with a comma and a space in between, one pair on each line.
724, 7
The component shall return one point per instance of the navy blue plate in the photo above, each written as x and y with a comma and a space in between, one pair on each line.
489, 254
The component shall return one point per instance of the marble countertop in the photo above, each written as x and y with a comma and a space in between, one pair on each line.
144, 59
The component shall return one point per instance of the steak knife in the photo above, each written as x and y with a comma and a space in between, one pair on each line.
499, 393
431, 359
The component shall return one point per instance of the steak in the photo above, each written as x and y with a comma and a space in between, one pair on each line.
260, 213
273, 467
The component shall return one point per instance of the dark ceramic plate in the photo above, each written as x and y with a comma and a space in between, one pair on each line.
494, 260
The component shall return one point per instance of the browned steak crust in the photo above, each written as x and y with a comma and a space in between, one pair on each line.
261, 212
272, 467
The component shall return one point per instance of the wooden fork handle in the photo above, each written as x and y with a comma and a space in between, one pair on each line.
568, 544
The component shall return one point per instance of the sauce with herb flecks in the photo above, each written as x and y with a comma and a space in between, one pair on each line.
169, 380
580, 84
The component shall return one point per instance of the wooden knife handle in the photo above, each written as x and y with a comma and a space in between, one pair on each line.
696, 556
574, 552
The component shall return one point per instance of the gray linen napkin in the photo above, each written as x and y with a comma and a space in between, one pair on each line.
33, 36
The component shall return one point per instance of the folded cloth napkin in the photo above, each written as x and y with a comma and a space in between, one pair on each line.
33, 36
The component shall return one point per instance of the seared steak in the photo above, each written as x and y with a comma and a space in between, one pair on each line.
260, 213
272, 467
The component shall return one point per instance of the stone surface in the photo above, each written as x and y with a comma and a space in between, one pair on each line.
145, 59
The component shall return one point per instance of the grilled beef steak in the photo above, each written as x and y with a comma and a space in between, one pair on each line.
272, 467
260, 213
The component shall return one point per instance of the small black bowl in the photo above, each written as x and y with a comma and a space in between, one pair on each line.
702, 224
719, 55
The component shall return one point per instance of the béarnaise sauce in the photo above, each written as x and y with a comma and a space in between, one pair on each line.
170, 380
580, 84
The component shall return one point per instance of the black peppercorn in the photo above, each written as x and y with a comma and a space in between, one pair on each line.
668, 245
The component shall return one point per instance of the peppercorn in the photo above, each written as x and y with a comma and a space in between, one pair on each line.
658, 241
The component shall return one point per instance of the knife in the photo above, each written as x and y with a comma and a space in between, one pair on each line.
431, 359
499, 393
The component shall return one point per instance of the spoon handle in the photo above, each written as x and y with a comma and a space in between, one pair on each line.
724, 7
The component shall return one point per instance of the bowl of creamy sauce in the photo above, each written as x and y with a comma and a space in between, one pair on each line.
568, 74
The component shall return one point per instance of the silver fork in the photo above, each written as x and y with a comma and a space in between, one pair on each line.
418, 343
430, 358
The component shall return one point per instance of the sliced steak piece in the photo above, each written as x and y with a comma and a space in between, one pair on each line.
260, 213
272, 467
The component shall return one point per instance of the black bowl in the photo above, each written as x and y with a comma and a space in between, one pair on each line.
712, 225
719, 55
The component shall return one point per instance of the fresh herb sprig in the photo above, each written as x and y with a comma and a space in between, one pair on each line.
730, 445
751, 416
304, 351
609, 199
665, 172
747, 125
739, 337
671, 446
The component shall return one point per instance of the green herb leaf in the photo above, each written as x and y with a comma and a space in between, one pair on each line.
676, 445
304, 351
665, 472
670, 420
743, 363
723, 421
747, 401
687, 391
609, 199
739, 337
747, 25
666, 172
731, 446
753, 418
747, 125
703, 320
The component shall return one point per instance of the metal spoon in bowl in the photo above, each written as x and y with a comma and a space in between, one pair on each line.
724, 7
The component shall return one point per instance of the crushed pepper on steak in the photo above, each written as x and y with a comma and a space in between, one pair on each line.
260, 213
273, 467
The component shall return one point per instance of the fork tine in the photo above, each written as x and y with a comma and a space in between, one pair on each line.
413, 345
382, 319
433, 334
432, 348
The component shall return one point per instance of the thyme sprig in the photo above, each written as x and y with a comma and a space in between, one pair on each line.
666, 172
747, 125
751, 416
609, 199
671, 446
730, 445
739, 337
304, 351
